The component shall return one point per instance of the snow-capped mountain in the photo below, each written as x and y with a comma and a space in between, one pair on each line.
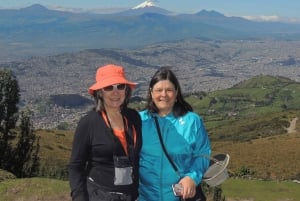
146, 7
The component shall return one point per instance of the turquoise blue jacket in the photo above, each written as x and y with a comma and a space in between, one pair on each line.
185, 139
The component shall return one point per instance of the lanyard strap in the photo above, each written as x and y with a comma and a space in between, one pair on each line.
129, 138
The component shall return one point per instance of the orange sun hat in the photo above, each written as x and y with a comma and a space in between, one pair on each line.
109, 75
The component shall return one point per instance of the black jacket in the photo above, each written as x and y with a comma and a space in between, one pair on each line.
92, 155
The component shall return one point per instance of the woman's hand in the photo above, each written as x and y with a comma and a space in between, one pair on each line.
189, 187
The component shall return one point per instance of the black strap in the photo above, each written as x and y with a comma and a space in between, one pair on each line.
163, 146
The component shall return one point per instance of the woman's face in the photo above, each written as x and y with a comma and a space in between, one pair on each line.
164, 96
113, 96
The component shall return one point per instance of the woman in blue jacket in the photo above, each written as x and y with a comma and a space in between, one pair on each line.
184, 136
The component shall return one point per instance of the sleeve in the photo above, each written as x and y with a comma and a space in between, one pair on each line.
201, 151
78, 162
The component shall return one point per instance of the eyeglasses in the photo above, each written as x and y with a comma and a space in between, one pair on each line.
167, 91
115, 86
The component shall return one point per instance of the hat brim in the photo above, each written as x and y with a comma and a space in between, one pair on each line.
110, 81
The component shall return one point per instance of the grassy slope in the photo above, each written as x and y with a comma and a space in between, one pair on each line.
276, 157
36, 189
255, 108
258, 190
55, 147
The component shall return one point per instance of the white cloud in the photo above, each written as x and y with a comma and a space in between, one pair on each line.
60, 8
87, 10
270, 18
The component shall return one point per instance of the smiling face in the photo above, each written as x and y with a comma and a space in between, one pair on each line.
164, 95
114, 98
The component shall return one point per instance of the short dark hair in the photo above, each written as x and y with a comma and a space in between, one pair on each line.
181, 107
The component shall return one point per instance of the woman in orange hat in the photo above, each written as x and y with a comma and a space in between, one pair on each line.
107, 141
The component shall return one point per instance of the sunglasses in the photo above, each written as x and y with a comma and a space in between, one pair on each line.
115, 86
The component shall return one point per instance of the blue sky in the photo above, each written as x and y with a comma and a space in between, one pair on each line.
284, 9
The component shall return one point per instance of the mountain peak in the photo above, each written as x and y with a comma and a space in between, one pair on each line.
35, 7
146, 7
212, 13
145, 4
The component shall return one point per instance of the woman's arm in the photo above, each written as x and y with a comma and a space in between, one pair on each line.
78, 162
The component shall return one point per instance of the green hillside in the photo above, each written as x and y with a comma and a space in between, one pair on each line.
259, 107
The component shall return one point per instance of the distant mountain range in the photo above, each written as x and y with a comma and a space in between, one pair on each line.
36, 30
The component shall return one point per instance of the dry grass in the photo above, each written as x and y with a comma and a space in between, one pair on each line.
55, 147
34, 189
276, 157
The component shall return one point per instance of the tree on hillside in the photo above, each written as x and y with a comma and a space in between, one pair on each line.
9, 97
18, 147
25, 161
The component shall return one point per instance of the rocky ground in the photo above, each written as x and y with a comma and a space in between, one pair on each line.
292, 127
